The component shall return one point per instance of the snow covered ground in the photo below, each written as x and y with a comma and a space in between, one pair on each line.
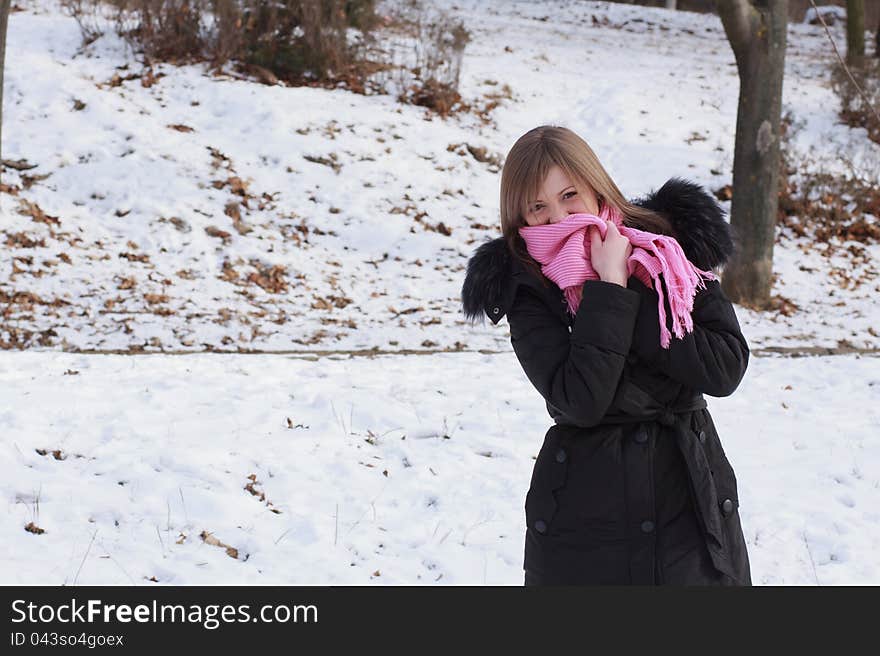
387, 470
211, 213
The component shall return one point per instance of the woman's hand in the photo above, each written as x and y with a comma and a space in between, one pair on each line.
609, 256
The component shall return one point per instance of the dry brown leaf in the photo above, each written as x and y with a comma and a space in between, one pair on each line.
232, 210
186, 274
18, 164
23, 240
229, 273
209, 538
213, 231
132, 257
27, 208
237, 186
270, 278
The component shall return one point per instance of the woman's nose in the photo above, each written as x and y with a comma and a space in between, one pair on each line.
559, 214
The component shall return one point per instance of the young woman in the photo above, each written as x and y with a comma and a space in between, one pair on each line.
631, 485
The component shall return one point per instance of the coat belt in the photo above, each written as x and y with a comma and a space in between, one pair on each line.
633, 405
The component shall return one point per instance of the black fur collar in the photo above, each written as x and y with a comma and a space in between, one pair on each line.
697, 219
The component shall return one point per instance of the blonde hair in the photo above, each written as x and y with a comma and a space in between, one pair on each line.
526, 167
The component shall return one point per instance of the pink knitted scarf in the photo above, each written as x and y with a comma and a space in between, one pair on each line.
563, 250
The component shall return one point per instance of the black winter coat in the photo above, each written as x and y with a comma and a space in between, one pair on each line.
631, 485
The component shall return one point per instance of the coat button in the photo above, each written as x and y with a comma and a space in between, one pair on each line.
641, 436
560, 456
727, 507
496, 310
647, 526
702, 437
541, 526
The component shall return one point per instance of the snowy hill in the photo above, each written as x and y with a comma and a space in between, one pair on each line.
204, 212
190, 212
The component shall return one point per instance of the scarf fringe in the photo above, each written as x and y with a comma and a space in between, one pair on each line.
572, 298
682, 280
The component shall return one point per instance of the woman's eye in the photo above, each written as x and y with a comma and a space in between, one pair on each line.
569, 194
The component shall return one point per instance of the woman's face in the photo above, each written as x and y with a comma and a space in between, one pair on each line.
558, 198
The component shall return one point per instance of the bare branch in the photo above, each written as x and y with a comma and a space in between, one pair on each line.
843, 63
5, 8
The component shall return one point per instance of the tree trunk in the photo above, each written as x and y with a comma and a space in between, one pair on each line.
671, 4
756, 30
4, 17
855, 30
877, 41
